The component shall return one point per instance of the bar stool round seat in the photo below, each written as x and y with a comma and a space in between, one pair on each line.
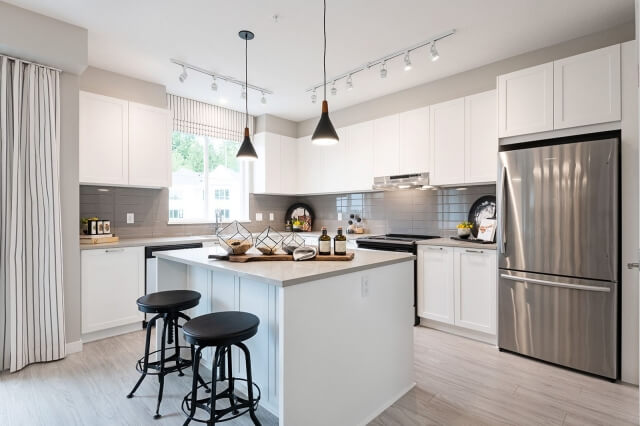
168, 301
222, 330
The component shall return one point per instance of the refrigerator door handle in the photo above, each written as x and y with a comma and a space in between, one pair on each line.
503, 210
556, 284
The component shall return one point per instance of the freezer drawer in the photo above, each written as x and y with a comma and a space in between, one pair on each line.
566, 321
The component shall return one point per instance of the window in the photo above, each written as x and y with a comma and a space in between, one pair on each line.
206, 179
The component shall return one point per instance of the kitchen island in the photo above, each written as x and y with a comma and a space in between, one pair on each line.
335, 342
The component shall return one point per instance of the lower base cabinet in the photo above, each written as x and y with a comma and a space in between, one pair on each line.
457, 286
111, 282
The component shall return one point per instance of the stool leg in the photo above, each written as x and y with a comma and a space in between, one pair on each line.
214, 391
145, 364
161, 374
232, 395
174, 319
199, 377
195, 356
247, 358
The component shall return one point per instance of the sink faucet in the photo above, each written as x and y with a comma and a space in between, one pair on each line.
217, 224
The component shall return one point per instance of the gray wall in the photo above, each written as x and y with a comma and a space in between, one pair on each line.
108, 83
469, 82
271, 123
41, 39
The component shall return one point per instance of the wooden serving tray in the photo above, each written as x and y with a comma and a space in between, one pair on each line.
99, 240
243, 258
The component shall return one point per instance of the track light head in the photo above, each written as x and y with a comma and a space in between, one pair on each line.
183, 75
349, 83
334, 90
383, 70
434, 52
263, 100
314, 97
407, 61
214, 85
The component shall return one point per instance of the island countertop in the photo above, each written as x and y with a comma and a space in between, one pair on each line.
286, 273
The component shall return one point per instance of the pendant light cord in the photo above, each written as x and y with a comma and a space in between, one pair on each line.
246, 77
324, 57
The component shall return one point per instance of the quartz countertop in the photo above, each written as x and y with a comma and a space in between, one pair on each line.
286, 273
152, 241
448, 242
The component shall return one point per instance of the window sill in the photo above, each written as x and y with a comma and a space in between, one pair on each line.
203, 222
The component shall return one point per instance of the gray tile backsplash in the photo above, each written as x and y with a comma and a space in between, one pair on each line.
432, 212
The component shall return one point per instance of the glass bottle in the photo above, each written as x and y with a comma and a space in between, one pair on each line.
324, 243
340, 243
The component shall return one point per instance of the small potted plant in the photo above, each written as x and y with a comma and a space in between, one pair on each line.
464, 229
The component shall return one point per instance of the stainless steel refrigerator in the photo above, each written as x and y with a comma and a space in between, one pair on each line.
558, 252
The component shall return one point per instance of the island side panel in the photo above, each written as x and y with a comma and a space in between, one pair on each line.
346, 347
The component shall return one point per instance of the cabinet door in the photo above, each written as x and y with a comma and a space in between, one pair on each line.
481, 137
307, 166
149, 146
103, 139
266, 169
435, 283
359, 156
386, 146
586, 88
413, 145
447, 142
333, 160
111, 282
475, 289
288, 165
525, 101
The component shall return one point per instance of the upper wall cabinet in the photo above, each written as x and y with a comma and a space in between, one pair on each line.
386, 145
447, 142
525, 101
414, 155
149, 146
480, 137
104, 140
123, 143
586, 88
275, 171
359, 156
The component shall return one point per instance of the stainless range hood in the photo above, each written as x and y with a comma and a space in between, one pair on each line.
408, 181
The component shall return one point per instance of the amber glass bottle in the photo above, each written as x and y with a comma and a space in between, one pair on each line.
340, 243
324, 243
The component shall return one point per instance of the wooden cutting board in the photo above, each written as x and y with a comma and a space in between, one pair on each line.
243, 258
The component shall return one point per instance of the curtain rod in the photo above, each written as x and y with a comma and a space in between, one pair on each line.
30, 62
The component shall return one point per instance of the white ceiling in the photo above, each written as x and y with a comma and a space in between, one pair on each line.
137, 38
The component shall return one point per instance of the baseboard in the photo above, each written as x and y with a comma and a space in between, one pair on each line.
459, 331
111, 332
386, 405
73, 347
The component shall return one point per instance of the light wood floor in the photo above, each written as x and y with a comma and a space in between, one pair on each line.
459, 382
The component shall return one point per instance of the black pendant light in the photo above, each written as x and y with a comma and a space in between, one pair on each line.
246, 151
325, 133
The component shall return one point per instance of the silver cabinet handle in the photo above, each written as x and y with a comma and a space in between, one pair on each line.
114, 250
434, 248
634, 265
503, 211
474, 251
556, 284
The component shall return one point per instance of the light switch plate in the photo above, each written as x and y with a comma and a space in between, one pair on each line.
130, 218
272, 217
258, 217
340, 216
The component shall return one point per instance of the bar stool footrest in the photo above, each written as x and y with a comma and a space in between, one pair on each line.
153, 367
240, 408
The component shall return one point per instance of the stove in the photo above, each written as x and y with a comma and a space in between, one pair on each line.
398, 242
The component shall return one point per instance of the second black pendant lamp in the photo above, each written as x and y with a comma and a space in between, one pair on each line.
325, 133
246, 151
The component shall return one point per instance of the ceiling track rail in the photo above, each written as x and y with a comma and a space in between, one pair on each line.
384, 59
222, 77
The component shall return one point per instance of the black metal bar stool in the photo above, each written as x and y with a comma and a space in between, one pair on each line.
222, 330
168, 306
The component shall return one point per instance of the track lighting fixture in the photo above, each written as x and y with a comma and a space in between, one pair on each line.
214, 85
407, 61
314, 97
383, 70
434, 52
183, 76
263, 100
349, 83
334, 90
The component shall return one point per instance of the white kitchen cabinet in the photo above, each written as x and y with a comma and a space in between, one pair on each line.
358, 169
288, 164
266, 170
413, 146
307, 166
386, 145
586, 88
436, 283
481, 137
104, 140
447, 134
111, 282
525, 101
149, 146
475, 289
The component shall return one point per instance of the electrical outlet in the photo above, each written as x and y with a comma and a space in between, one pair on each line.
272, 217
364, 286
258, 217
340, 216
130, 218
